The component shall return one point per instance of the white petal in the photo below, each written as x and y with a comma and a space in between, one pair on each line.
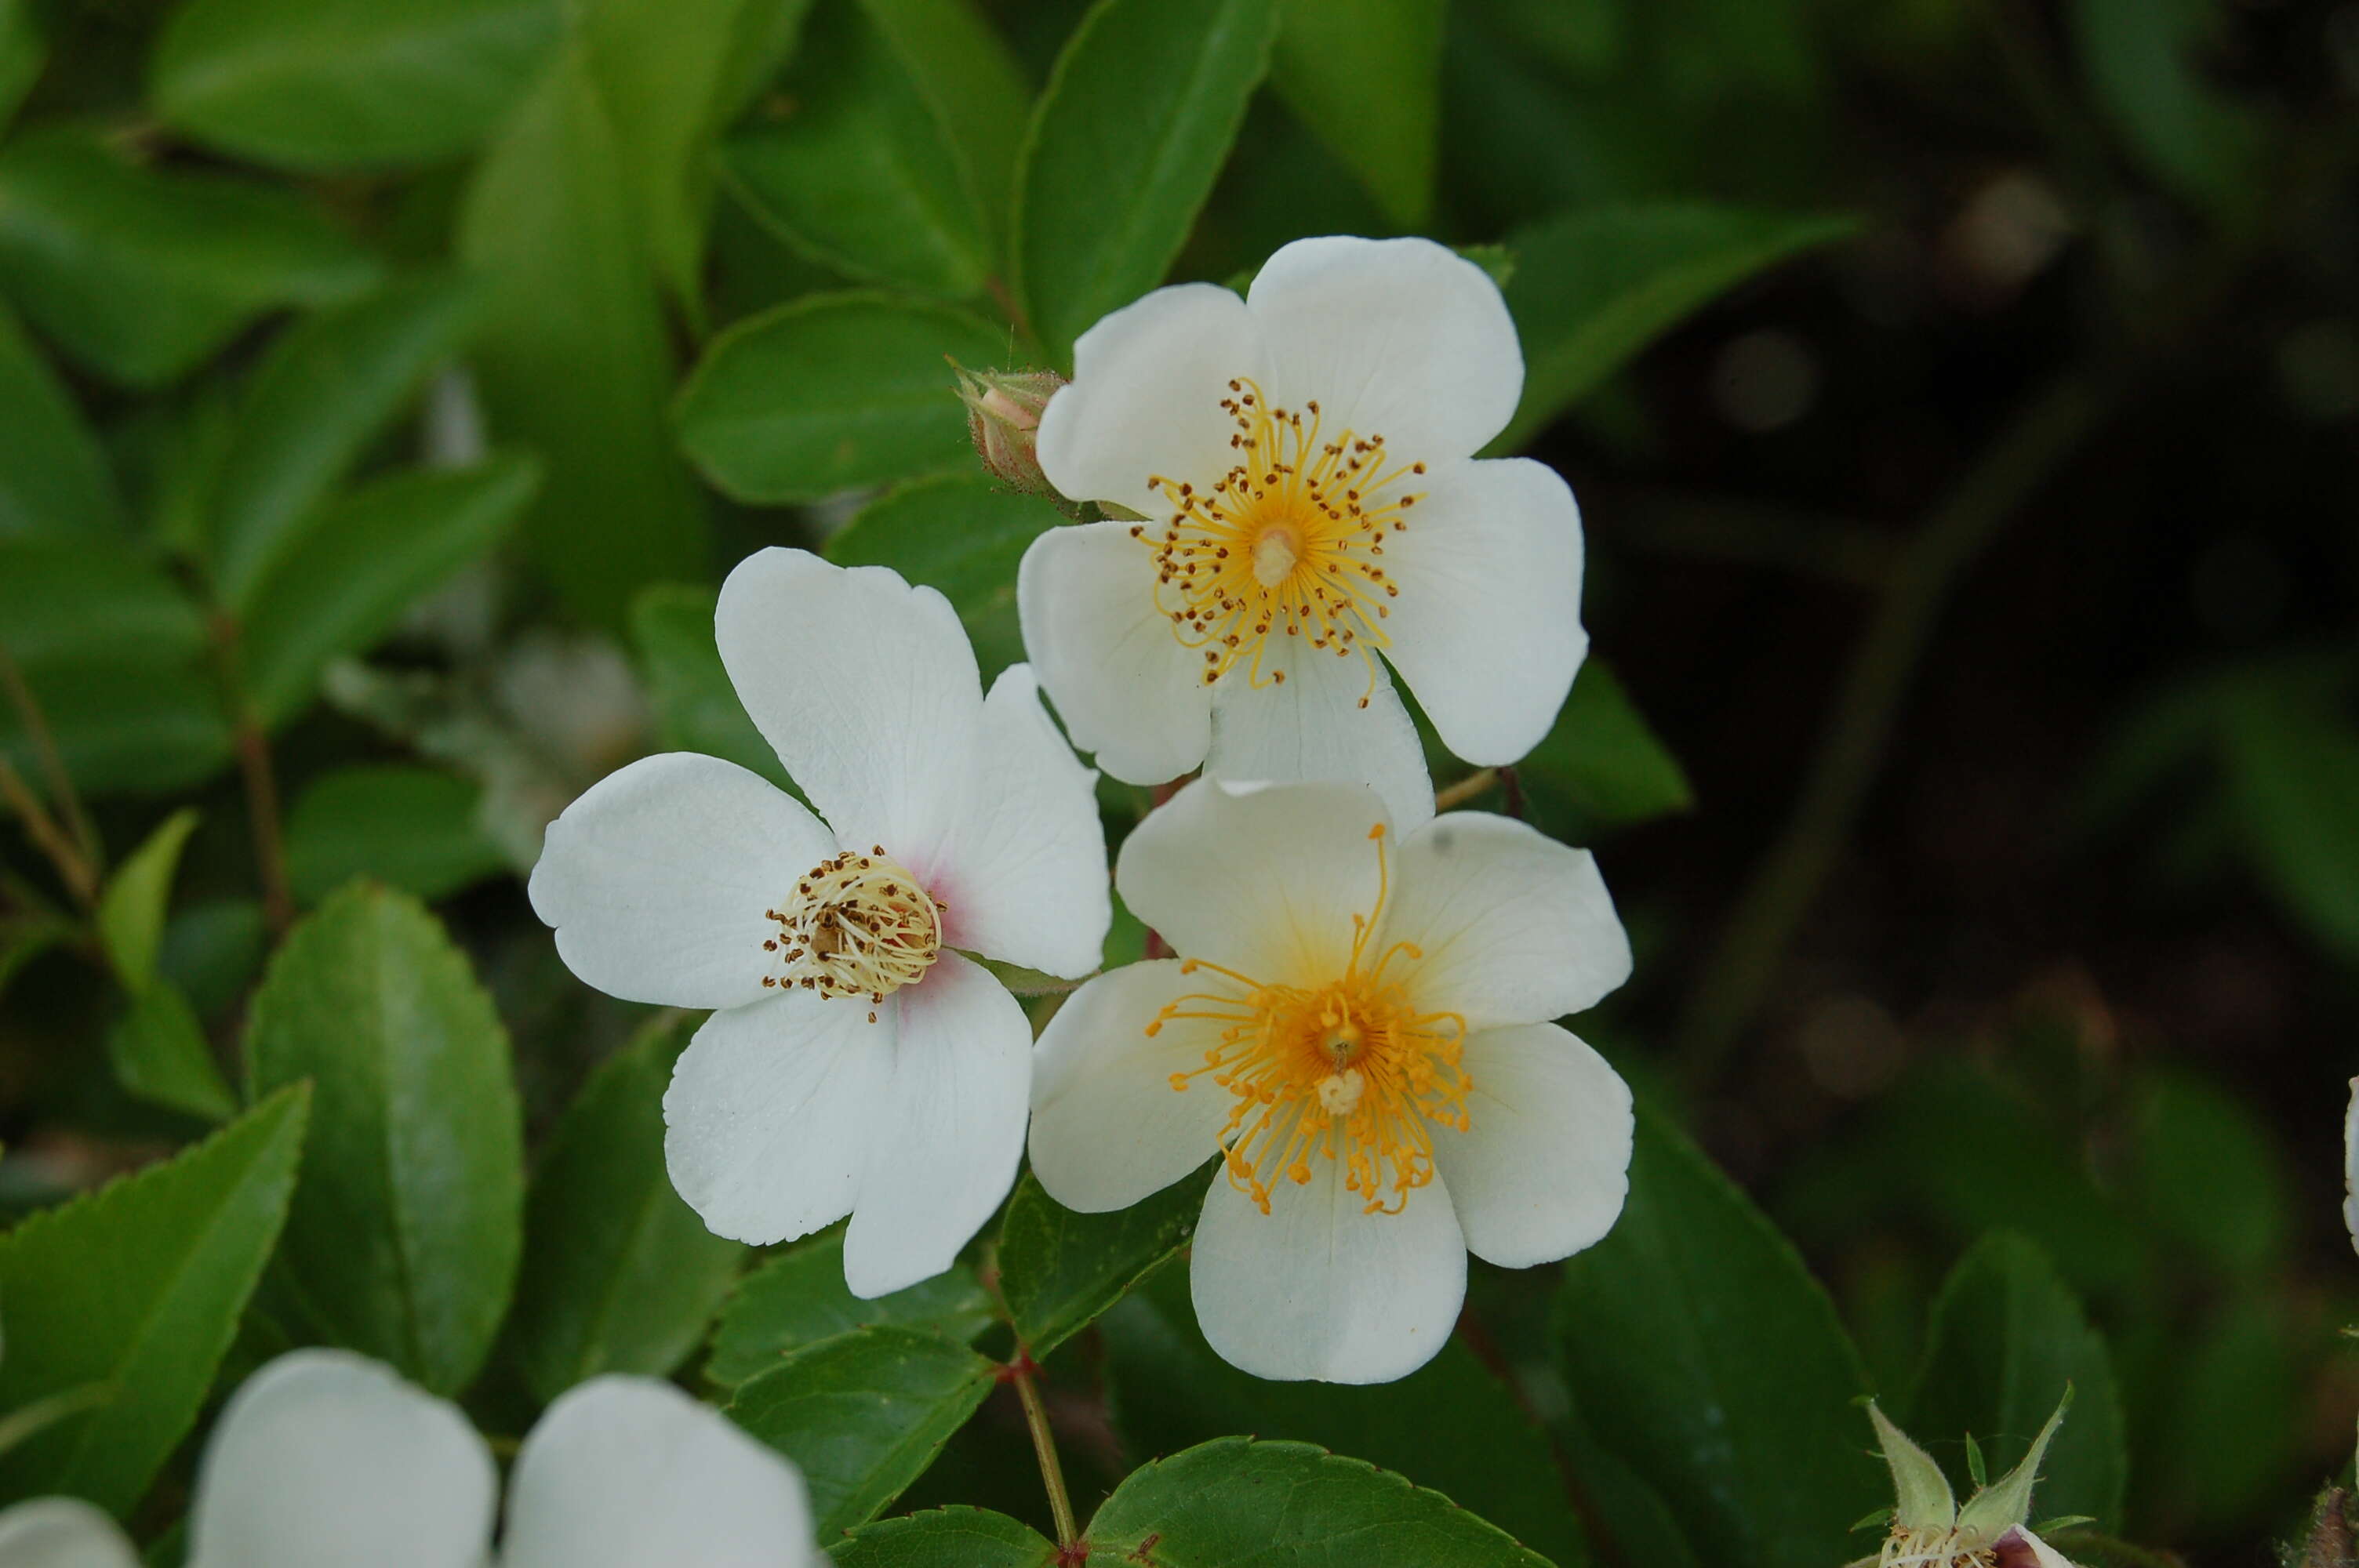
1542, 1172
62, 1532
325, 1456
628, 1472
1023, 874
1265, 881
1107, 1127
2045, 1555
1398, 338
1146, 396
770, 1112
865, 688
945, 1148
1511, 927
1105, 655
1319, 1288
1311, 726
2351, 1165
657, 878
1490, 582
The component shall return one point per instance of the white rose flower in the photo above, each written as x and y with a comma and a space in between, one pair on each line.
1359, 1026
857, 1061
1303, 459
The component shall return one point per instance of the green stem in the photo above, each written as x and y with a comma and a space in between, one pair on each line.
1044, 1446
44, 743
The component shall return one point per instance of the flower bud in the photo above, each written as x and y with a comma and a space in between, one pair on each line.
1002, 416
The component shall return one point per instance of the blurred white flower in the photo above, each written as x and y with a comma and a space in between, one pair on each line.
1358, 1026
62, 1532
857, 1063
1303, 458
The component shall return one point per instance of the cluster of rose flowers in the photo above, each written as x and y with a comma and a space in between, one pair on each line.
1354, 1021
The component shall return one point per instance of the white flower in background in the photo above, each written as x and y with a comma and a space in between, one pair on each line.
323, 1457
1303, 458
1930, 1531
1358, 1024
858, 1062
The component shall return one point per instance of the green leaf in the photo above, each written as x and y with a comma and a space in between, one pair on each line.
365, 559
411, 827
1450, 1425
1234, 1501
1367, 75
574, 361
92, 598
123, 724
2293, 780
961, 533
213, 950
619, 1274
2141, 58
862, 1414
330, 385
1125, 144
140, 274
834, 391
328, 84
696, 709
137, 1287
23, 52
2006, 1338
848, 164
160, 1053
799, 1298
131, 908
1058, 1270
2210, 1178
1700, 1350
971, 80
945, 1538
54, 482
1602, 764
402, 1239
1592, 288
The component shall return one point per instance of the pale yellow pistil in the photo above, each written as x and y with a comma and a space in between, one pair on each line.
857, 926
1348, 1070
1287, 543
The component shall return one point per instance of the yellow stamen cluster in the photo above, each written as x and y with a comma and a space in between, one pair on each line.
1348, 1070
1287, 541
1942, 1548
858, 925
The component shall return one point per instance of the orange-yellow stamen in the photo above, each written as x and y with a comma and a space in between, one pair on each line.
1349, 1071
1289, 542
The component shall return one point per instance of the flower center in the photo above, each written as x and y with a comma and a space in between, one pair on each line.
1286, 543
1348, 1070
857, 926
1936, 1549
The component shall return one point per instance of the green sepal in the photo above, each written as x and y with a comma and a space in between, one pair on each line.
1998, 1508
1925, 1500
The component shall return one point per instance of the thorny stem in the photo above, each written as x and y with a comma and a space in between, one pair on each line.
53, 767
1044, 1445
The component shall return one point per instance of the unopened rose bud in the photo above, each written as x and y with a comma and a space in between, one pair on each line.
1002, 415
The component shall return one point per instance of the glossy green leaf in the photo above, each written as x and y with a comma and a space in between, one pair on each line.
1058, 1270
2007, 1337
367, 556
402, 1242
1592, 288
1450, 1425
1128, 137
975, 86
2143, 59
862, 1414
329, 385
325, 84
411, 828
1367, 75
799, 1298
851, 166
573, 361
961, 533
54, 482
1234, 1501
834, 391
1601, 764
619, 1274
2208, 1177
696, 709
160, 1053
131, 907
213, 950
1699, 1349
88, 598
140, 273
945, 1538
123, 724
23, 52
138, 1288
